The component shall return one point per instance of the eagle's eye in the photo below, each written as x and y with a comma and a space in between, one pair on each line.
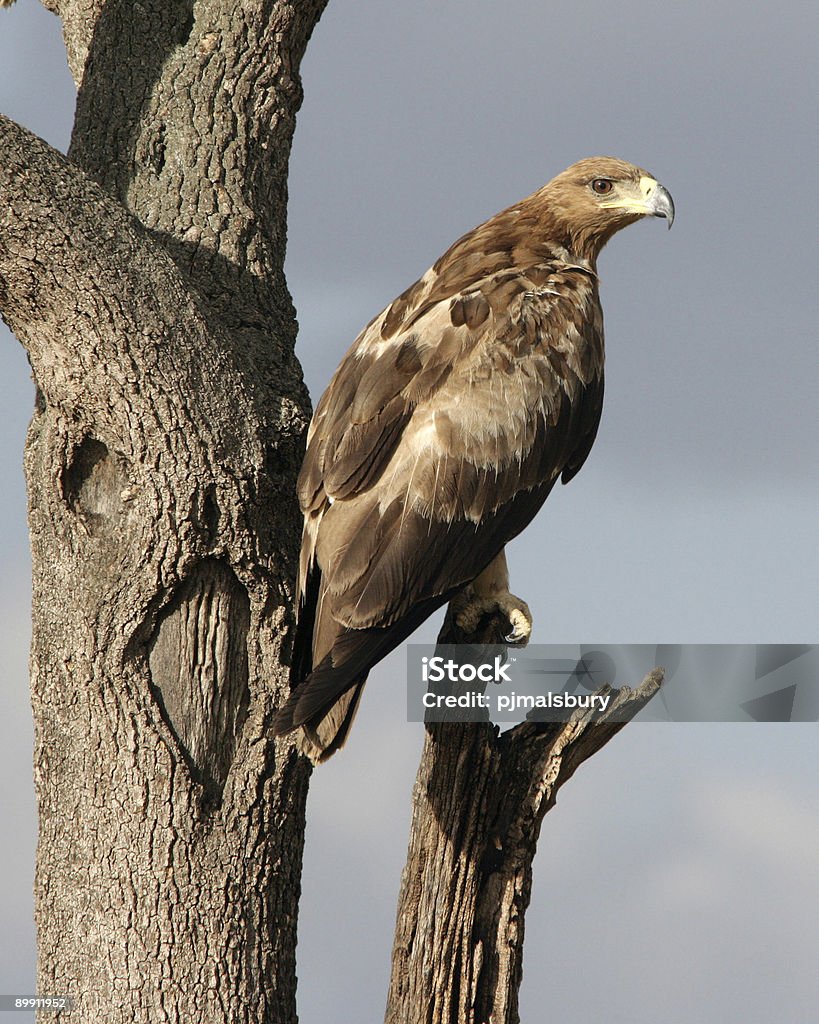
602, 186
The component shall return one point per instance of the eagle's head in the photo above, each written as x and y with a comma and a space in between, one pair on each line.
594, 198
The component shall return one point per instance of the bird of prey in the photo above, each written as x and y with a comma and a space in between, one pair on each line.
443, 430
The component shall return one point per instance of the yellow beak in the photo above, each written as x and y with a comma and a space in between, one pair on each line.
648, 198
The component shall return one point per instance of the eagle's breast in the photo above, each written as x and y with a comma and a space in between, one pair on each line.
509, 355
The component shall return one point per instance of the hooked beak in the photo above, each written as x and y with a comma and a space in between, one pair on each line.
648, 198
659, 202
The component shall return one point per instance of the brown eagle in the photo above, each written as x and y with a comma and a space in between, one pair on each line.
443, 431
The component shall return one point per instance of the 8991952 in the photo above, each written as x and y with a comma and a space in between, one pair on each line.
40, 1003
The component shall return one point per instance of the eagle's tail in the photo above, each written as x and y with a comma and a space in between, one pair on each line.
324, 704
326, 692
326, 733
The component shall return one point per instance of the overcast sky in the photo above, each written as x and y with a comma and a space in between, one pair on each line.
676, 881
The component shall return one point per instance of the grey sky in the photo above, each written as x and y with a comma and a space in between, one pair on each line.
676, 880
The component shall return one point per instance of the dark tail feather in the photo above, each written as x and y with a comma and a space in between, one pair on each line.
324, 734
301, 661
324, 719
325, 702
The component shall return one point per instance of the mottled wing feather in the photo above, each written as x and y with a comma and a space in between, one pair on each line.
381, 561
511, 382
354, 651
439, 438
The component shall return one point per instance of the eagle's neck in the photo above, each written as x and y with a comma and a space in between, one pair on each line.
570, 259
532, 233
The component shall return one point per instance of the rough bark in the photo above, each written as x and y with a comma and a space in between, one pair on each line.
144, 277
479, 800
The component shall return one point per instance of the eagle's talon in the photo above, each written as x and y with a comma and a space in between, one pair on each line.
517, 613
520, 619
516, 639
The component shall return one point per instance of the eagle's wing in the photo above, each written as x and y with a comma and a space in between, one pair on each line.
438, 439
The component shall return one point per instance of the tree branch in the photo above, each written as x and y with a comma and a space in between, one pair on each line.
479, 800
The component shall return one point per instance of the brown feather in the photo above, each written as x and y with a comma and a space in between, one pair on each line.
442, 432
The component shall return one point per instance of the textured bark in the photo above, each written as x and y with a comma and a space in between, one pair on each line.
144, 277
478, 804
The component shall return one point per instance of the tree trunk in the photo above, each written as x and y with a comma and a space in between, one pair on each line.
144, 277
478, 803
